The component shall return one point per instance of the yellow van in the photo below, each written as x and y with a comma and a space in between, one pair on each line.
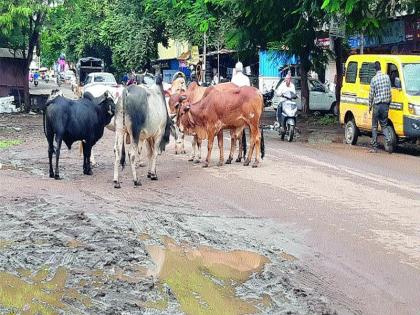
404, 111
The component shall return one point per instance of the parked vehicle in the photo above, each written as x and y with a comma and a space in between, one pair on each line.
320, 97
60, 79
404, 112
84, 67
287, 118
36, 78
98, 82
268, 98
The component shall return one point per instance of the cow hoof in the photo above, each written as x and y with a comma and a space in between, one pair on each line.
238, 160
184, 152
140, 164
137, 183
149, 175
228, 161
205, 165
246, 163
220, 163
57, 177
255, 165
52, 175
197, 161
190, 159
88, 172
176, 152
153, 177
117, 185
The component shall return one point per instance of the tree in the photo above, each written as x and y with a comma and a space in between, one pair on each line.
21, 22
291, 26
362, 17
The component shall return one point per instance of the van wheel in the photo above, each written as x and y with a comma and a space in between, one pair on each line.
391, 144
351, 132
334, 109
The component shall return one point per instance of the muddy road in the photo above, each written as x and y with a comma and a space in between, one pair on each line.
319, 228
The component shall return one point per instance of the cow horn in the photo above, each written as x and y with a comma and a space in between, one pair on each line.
182, 98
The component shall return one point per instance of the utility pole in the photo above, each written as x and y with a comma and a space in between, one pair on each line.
362, 43
218, 61
203, 69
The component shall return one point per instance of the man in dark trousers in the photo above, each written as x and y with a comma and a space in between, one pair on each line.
379, 101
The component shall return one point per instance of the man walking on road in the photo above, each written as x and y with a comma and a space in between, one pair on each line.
379, 101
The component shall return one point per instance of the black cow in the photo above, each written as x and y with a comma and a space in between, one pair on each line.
76, 120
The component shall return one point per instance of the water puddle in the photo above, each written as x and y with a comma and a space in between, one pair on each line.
31, 293
204, 280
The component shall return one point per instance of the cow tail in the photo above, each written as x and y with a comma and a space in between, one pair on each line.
262, 143
165, 139
44, 113
122, 158
244, 142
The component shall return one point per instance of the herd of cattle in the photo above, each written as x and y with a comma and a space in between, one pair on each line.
147, 115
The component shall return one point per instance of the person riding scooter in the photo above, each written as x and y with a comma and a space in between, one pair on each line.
286, 86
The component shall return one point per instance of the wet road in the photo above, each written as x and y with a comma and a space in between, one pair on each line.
339, 226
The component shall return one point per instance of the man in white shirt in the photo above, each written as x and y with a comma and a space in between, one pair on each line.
239, 78
286, 86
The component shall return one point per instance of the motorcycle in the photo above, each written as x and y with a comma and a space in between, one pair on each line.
287, 118
60, 79
268, 97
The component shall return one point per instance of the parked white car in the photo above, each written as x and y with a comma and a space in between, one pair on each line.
320, 97
99, 82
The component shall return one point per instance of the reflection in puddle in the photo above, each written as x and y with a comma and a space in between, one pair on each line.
203, 280
36, 294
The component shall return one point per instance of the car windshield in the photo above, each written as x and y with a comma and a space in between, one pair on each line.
104, 78
411, 78
317, 85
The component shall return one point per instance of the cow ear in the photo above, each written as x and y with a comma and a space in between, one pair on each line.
177, 105
167, 93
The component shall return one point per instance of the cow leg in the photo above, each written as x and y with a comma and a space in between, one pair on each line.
87, 151
132, 157
183, 144
241, 146
118, 147
257, 145
221, 148
254, 137
154, 150
149, 146
232, 147
50, 155
58, 140
194, 149
199, 141
209, 148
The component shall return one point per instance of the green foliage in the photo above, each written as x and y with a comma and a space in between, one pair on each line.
120, 32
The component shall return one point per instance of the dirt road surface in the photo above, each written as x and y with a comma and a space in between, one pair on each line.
319, 228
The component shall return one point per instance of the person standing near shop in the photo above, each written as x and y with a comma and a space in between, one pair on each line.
239, 78
379, 101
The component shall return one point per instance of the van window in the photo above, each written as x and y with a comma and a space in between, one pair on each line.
393, 73
351, 73
367, 72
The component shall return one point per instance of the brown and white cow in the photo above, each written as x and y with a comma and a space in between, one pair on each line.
230, 108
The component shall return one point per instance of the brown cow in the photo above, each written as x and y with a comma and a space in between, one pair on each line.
234, 108
194, 93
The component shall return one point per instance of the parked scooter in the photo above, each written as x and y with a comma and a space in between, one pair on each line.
287, 118
36, 78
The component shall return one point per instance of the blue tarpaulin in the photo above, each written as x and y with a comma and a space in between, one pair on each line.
271, 62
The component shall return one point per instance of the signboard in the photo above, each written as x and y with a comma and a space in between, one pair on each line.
323, 42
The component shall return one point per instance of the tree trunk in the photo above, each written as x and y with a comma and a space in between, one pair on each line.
304, 68
338, 51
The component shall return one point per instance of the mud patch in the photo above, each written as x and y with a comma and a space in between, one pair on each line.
35, 294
